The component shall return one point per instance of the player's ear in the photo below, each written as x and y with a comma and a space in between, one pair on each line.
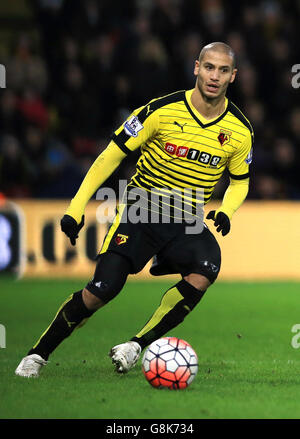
233, 75
196, 68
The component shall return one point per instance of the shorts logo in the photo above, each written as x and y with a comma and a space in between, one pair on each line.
121, 239
224, 136
133, 126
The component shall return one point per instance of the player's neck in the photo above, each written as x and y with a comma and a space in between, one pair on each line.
208, 108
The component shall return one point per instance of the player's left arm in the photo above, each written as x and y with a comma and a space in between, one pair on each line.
236, 193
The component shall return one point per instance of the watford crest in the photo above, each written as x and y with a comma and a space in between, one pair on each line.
224, 136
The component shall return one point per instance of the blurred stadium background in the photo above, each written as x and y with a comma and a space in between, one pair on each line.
76, 69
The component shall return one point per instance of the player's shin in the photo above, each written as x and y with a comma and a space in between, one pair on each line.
71, 315
175, 305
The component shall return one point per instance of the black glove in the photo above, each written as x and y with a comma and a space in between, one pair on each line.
222, 222
70, 227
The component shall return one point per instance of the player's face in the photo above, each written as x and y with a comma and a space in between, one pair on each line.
214, 74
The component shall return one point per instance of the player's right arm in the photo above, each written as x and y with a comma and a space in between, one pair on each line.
137, 129
105, 164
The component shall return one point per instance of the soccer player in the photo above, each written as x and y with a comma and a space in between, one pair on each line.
187, 140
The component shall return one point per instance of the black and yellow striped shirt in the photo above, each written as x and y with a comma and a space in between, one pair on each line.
180, 149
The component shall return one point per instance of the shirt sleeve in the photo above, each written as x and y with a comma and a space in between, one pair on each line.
234, 196
238, 164
140, 126
105, 164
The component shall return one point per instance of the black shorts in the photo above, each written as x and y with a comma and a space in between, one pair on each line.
173, 250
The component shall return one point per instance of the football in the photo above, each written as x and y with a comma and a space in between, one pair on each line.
170, 363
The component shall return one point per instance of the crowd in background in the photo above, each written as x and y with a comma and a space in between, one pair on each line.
81, 67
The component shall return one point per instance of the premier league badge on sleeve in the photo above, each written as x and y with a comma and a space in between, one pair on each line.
133, 126
249, 157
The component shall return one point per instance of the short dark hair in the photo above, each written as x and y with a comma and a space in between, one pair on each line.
218, 47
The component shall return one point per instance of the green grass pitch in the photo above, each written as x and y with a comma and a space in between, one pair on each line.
240, 331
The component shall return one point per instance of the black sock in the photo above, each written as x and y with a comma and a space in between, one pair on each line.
175, 305
70, 315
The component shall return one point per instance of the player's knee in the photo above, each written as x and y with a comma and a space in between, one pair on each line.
204, 273
110, 276
91, 301
198, 281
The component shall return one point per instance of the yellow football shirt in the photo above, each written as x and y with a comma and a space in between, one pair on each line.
180, 149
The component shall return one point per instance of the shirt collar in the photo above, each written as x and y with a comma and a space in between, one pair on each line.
198, 115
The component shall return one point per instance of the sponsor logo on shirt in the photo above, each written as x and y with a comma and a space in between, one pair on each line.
192, 154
